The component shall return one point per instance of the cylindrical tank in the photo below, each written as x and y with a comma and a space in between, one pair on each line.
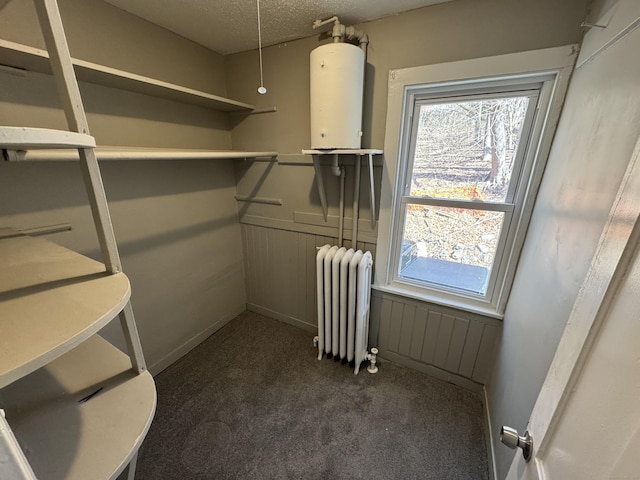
337, 78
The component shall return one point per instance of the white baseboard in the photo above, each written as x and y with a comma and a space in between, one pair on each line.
194, 341
296, 322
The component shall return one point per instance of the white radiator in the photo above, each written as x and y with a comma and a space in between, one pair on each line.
344, 294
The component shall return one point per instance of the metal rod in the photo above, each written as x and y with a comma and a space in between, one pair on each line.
134, 153
591, 25
265, 200
46, 229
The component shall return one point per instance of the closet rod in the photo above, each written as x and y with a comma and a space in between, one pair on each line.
34, 231
125, 153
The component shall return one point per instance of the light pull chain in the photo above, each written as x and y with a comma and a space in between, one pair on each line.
261, 89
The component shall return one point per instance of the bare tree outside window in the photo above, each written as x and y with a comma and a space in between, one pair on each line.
463, 151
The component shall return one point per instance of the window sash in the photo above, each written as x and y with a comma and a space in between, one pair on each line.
531, 92
425, 96
456, 203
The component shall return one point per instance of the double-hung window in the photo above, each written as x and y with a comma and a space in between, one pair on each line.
468, 158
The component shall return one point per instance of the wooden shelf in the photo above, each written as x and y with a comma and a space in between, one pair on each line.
344, 151
137, 153
23, 138
66, 438
51, 300
35, 60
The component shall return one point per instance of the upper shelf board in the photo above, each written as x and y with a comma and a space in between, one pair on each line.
33, 59
51, 300
23, 138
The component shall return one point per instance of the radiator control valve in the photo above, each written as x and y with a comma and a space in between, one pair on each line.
372, 368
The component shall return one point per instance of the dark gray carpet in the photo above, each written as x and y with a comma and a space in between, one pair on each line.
253, 402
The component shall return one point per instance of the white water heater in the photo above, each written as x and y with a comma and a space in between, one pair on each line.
337, 79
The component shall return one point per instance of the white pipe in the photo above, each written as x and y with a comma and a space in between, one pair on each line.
335, 167
339, 32
318, 23
356, 200
341, 219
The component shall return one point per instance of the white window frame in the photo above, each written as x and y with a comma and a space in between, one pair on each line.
549, 67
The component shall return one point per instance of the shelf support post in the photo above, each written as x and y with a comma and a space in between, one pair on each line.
130, 331
64, 75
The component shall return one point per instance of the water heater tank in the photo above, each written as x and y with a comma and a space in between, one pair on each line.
337, 78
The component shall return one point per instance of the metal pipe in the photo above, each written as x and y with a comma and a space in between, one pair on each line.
356, 200
341, 219
335, 167
318, 23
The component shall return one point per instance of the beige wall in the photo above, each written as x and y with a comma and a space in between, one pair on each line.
175, 222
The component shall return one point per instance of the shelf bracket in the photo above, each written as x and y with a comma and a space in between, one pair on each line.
358, 154
320, 184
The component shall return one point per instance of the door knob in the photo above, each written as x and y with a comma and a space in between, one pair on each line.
510, 437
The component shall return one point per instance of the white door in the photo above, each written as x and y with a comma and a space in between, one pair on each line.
586, 420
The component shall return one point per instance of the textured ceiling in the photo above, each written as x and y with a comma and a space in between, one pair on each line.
230, 26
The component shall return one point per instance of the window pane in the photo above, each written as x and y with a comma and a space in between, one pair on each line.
464, 150
449, 247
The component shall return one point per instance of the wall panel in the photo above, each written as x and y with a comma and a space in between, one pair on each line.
281, 282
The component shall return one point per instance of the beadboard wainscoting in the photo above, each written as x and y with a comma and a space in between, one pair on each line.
281, 283
280, 265
450, 344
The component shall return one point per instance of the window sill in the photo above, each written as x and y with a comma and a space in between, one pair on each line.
486, 311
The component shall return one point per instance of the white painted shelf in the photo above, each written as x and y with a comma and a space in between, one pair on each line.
344, 151
24, 138
64, 437
139, 153
33, 59
51, 300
